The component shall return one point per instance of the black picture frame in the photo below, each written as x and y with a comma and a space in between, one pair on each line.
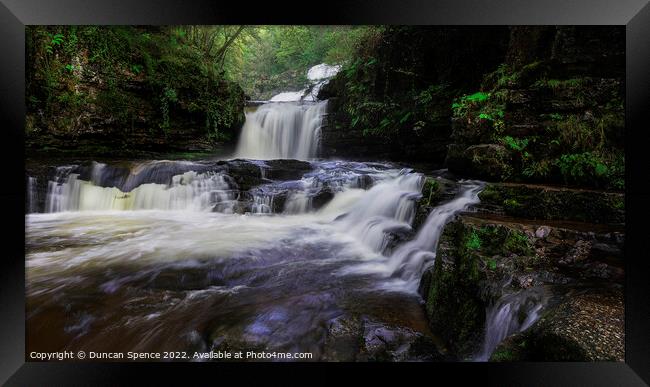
634, 14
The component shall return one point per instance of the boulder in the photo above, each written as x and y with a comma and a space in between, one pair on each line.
588, 326
482, 258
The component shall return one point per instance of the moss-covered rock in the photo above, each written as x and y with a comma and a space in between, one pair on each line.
451, 290
559, 117
555, 203
586, 327
393, 100
481, 259
434, 191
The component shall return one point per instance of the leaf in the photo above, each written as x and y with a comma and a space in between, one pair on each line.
405, 117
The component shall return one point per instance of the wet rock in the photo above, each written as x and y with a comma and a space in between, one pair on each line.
343, 339
385, 343
481, 258
555, 203
588, 326
245, 173
286, 169
435, 191
542, 232
355, 338
321, 198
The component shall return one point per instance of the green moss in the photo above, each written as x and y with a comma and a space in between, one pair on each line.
473, 242
511, 204
533, 202
430, 191
517, 242
503, 355
490, 194
453, 304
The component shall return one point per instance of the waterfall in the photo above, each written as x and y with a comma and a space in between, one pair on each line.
188, 191
410, 259
32, 194
288, 126
318, 76
387, 207
287, 130
512, 313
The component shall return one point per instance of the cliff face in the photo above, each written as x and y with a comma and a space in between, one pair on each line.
531, 104
552, 112
394, 100
121, 90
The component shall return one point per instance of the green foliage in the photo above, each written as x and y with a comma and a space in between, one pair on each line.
583, 140
473, 242
500, 240
55, 40
482, 106
461, 105
515, 144
518, 243
276, 58
173, 64
430, 191
586, 167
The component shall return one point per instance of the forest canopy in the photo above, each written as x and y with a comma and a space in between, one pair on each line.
262, 59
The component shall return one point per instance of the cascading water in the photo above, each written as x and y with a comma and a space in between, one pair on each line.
406, 264
512, 313
387, 207
189, 191
411, 259
282, 258
318, 76
287, 130
288, 126
320, 249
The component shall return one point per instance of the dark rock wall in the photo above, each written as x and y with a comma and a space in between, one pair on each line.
553, 112
537, 104
394, 102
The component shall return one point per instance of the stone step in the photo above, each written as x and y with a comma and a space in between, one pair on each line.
553, 203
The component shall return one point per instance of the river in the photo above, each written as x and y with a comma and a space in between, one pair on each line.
243, 254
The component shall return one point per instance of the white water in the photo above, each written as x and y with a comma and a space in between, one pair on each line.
404, 267
189, 191
318, 76
511, 314
285, 130
288, 126
369, 218
387, 206
174, 221
411, 259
